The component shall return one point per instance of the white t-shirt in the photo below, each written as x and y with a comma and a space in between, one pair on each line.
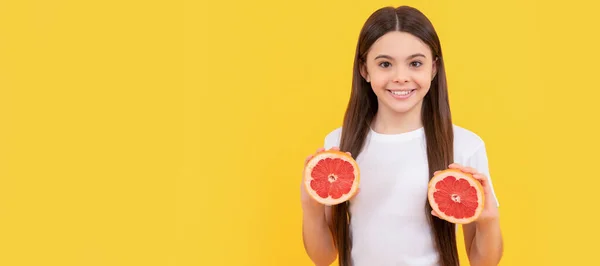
389, 224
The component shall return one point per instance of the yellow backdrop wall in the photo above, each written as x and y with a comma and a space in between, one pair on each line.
174, 132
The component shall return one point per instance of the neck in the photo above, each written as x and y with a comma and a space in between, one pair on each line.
389, 122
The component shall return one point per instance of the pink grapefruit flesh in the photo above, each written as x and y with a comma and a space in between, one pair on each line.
331, 177
456, 196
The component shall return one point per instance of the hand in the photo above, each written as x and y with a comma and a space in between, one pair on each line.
490, 206
306, 199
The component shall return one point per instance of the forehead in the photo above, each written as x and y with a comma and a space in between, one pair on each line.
398, 45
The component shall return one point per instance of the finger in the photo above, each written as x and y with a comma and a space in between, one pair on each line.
434, 213
455, 166
462, 168
482, 179
484, 183
349, 153
307, 159
335, 148
470, 170
479, 177
436, 172
320, 149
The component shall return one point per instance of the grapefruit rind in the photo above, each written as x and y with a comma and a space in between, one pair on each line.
334, 154
459, 175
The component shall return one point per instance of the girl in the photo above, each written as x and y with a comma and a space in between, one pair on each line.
398, 128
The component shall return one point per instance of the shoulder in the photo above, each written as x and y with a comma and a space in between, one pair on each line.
466, 142
332, 139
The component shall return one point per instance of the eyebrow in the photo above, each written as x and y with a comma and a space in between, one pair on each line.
390, 58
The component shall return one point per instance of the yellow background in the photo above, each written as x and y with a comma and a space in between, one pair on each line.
174, 133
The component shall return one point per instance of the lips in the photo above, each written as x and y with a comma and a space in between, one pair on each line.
401, 94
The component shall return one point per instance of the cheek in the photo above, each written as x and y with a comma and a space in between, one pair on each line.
423, 80
379, 81
378, 84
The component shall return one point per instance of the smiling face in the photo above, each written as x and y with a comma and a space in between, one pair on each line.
400, 68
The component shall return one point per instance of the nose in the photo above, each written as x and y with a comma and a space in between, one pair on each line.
401, 76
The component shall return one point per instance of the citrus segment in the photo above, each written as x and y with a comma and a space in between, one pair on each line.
331, 177
456, 196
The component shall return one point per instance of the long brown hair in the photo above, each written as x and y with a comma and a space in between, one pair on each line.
435, 114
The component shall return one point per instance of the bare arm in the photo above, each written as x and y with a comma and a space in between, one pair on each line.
317, 237
484, 242
483, 237
316, 227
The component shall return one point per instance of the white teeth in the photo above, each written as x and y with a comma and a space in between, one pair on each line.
401, 92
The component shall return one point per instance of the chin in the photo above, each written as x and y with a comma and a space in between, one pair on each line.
402, 107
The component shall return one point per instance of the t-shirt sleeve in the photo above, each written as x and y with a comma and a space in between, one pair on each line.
332, 139
479, 161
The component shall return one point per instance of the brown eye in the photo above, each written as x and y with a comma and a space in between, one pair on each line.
385, 64
416, 64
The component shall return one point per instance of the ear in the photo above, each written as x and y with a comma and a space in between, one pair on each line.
364, 73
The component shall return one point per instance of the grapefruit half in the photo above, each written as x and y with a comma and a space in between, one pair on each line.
456, 196
331, 177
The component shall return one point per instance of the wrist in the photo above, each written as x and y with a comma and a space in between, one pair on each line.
488, 222
312, 209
